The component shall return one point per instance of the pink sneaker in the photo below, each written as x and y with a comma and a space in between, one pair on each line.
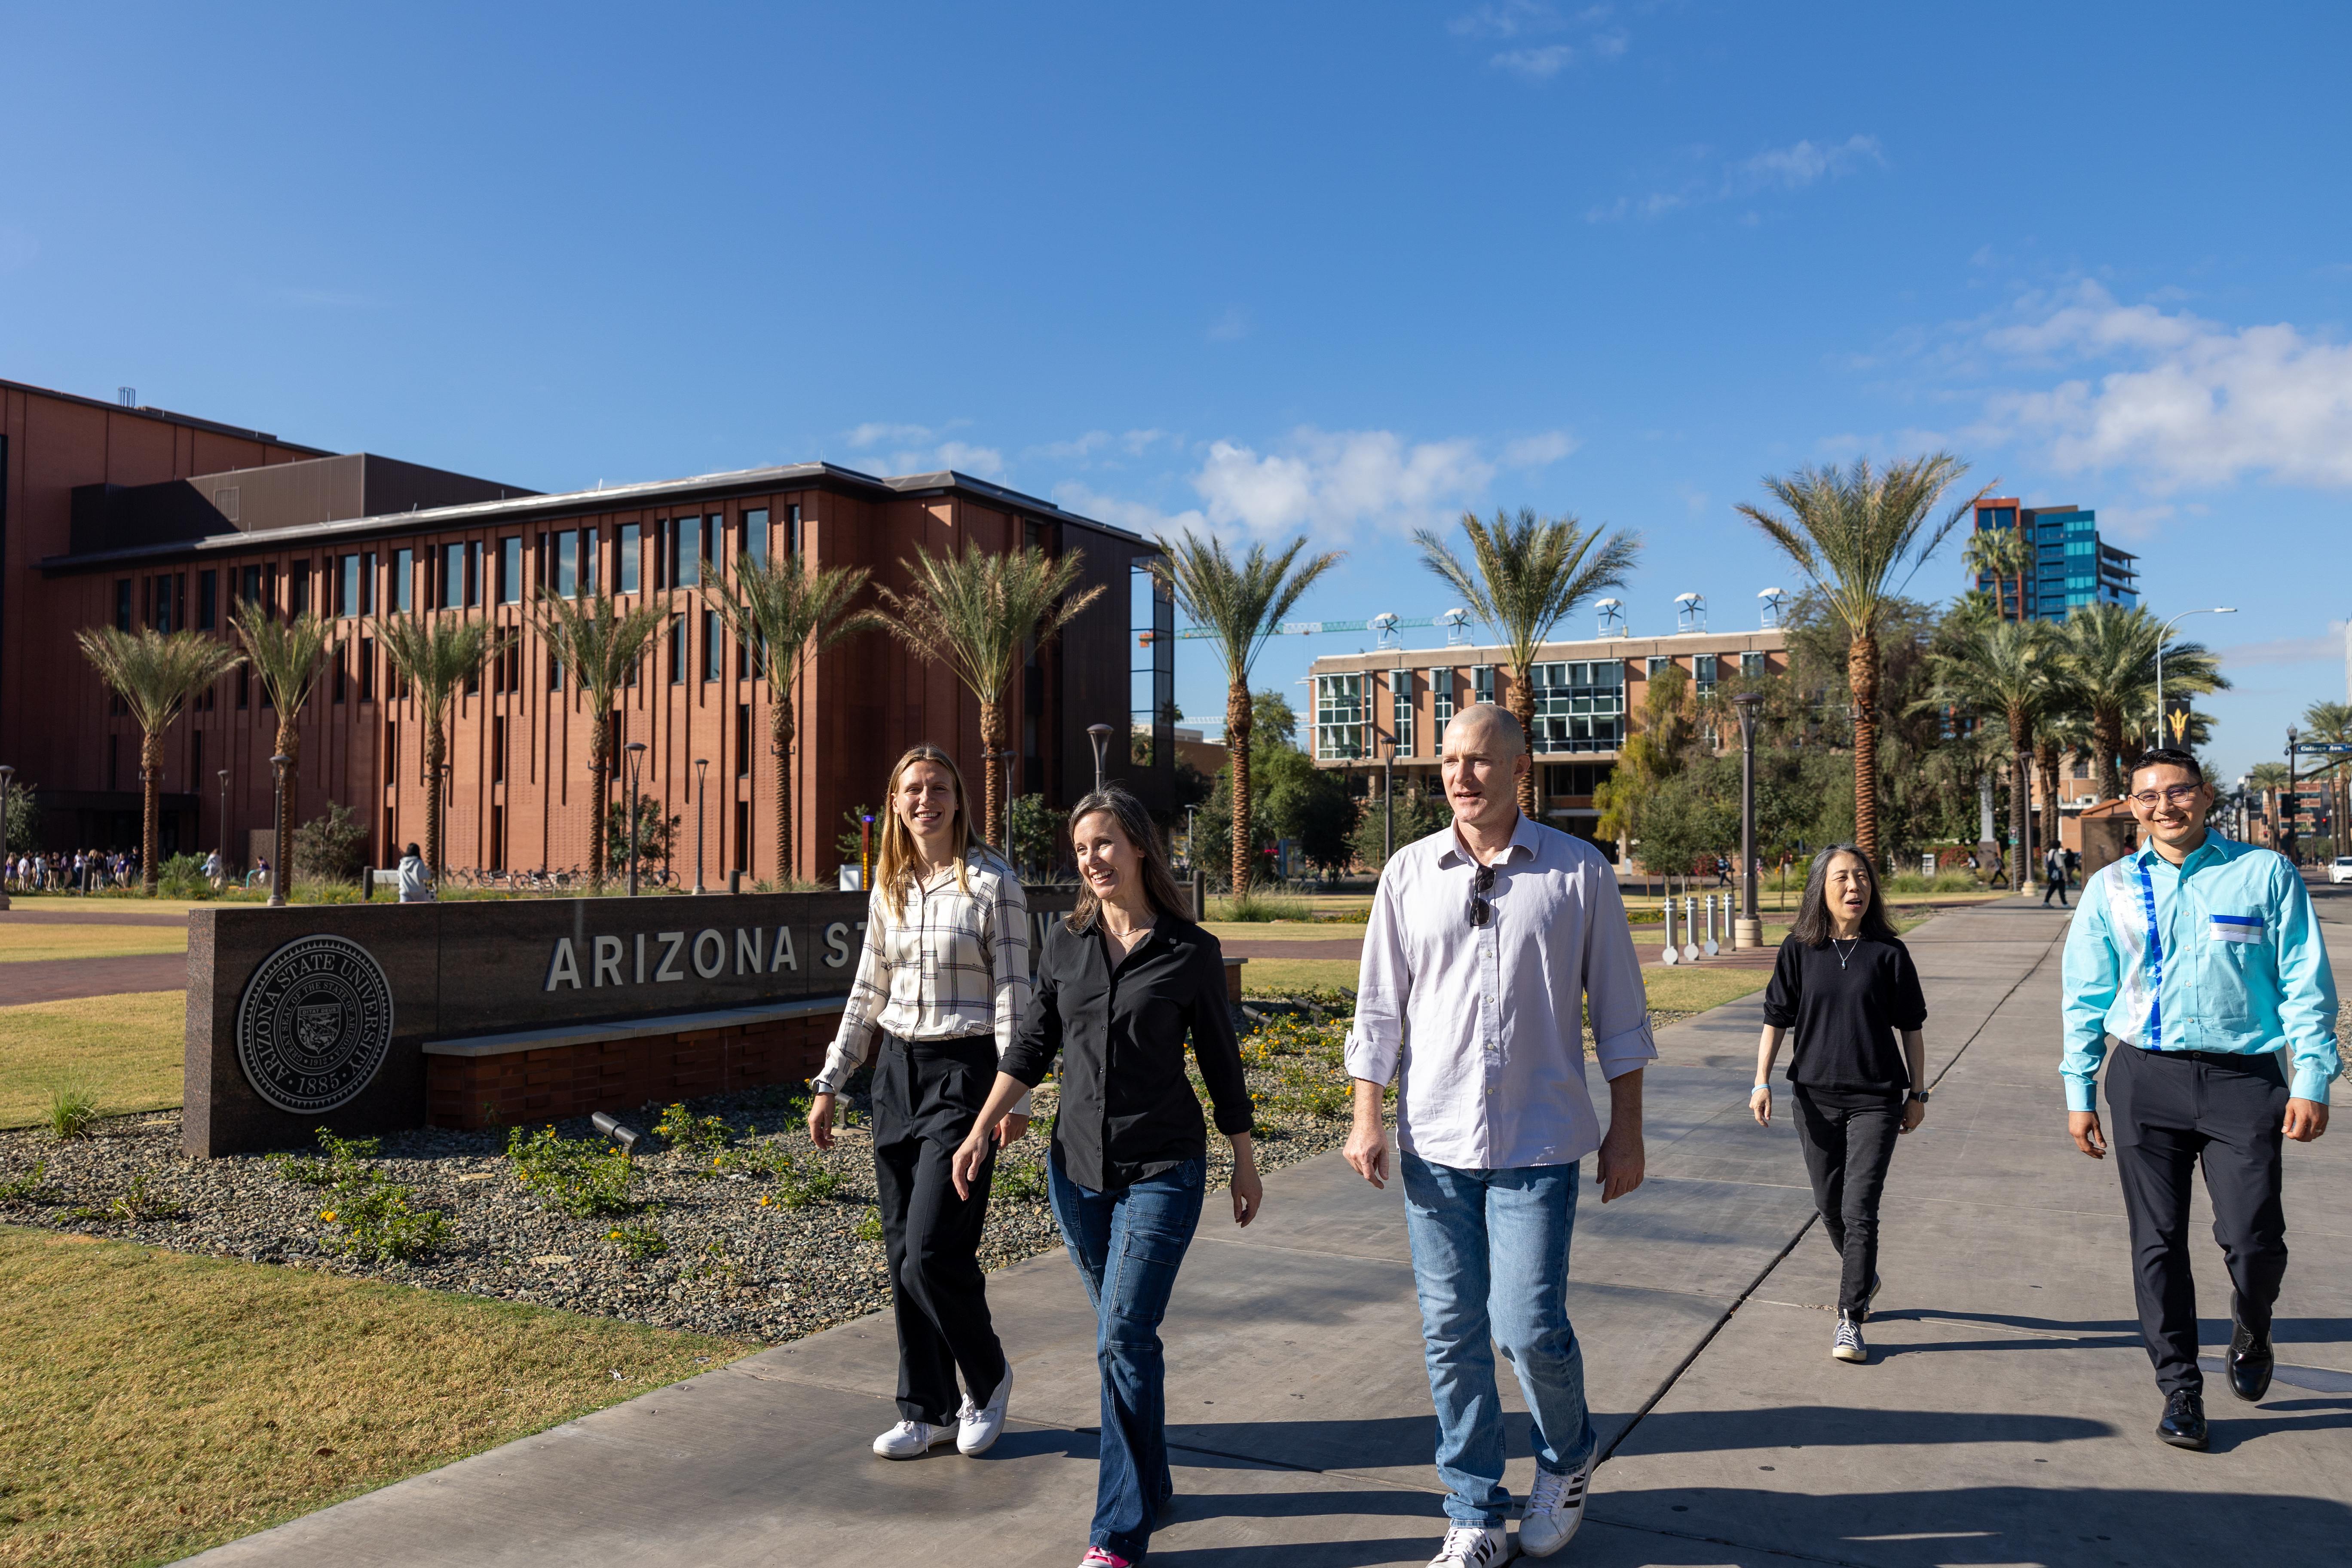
1097, 1557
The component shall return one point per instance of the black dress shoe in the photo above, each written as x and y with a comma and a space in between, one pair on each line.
2183, 1425
2250, 1363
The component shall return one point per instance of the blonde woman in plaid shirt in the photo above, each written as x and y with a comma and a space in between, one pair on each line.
944, 980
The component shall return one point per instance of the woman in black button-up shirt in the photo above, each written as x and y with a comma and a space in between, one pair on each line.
1120, 986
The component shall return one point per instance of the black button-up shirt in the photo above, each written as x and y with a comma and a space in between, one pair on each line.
1127, 1111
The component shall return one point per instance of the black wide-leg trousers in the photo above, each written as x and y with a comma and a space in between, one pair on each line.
926, 1097
1848, 1136
2170, 1112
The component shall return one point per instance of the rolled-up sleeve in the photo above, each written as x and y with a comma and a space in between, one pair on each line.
1007, 934
1613, 995
1383, 987
2306, 994
2091, 973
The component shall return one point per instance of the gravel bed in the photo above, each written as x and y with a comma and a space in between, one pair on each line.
735, 1265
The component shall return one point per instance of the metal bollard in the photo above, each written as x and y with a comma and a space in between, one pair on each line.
1673, 953
1712, 949
1690, 928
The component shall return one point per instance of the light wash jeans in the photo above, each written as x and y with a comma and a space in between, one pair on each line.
1490, 1265
1128, 1246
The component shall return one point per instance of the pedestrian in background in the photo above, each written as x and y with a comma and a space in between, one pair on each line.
943, 980
2197, 971
2054, 876
1123, 979
1845, 986
1488, 943
415, 881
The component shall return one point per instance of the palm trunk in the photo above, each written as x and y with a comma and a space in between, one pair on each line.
434, 757
2106, 744
780, 742
2046, 759
600, 774
992, 788
1523, 709
1237, 744
289, 746
151, 808
1862, 678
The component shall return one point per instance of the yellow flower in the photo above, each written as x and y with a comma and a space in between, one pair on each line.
615, 1236
764, 1202
327, 1214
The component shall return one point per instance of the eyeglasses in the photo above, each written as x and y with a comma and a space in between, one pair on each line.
2178, 795
1481, 885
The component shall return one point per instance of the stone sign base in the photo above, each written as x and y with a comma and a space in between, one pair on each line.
534, 1076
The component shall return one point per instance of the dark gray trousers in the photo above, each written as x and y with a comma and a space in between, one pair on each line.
1848, 1136
2171, 1111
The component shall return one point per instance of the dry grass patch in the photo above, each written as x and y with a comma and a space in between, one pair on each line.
1289, 977
128, 1051
27, 941
154, 1404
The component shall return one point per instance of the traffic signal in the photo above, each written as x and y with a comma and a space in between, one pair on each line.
2288, 805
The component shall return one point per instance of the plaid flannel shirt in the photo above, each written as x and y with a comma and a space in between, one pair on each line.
954, 962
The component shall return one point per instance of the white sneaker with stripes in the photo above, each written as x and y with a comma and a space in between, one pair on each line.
1554, 1509
1473, 1546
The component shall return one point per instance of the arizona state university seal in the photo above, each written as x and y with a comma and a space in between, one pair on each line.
315, 1025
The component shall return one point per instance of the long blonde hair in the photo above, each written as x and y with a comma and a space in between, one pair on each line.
894, 869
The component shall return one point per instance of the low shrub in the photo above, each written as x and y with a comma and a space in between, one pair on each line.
870, 1228
346, 1160
579, 1175
28, 1188
1021, 1183
139, 1201
1253, 908
695, 1135
379, 1225
182, 877
71, 1113
639, 1243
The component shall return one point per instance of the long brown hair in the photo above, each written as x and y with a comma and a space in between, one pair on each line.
1135, 825
894, 868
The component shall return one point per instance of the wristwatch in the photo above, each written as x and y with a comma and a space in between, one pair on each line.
1920, 1095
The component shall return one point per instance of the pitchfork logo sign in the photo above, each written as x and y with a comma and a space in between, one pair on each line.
315, 1025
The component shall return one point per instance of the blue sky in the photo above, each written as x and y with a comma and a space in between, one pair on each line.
1338, 270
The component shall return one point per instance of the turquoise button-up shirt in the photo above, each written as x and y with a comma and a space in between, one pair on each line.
2239, 965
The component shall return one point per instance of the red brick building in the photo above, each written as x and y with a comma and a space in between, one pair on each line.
137, 516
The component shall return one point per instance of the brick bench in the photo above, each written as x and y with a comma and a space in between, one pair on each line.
572, 1069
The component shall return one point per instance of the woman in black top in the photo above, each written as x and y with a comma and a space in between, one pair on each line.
1122, 983
1845, 984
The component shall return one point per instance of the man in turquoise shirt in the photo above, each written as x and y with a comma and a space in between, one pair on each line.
2200, 961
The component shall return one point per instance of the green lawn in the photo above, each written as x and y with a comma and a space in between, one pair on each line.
153, 1404
129, 1051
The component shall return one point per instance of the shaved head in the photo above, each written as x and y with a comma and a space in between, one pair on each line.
1488, 729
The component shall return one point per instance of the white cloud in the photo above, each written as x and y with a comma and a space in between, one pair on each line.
1335, 484
872, 434
2191, 403
1136, 517
2328, 645
1538, 451
1232, 324
1508, 19
1535, 64
1801, 163
985, 461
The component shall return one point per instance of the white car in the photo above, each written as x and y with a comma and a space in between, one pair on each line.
2340, 868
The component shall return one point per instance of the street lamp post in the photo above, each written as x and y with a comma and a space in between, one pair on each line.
2218, 610
278, 833
223, 851
2285, 797
8, 777
634, 754
700, 765
1747, 931
1100, 734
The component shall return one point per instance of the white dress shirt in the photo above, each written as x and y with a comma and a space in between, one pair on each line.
1486, 1020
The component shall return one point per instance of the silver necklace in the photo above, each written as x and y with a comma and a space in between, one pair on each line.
1849, 952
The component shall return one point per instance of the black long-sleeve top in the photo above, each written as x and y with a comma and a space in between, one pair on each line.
1127, 1111
1847, 1016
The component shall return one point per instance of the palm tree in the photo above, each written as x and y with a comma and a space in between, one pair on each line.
1851, 532
1999, 552
2109, 651
437, 654
288, 656
1523, 576
2009, 670
1239, 603
2065, 730
2332, 722
154, 673
790, 612
2266, 779
973, 612
598, 643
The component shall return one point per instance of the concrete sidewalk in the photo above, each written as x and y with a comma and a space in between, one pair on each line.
2006, 1416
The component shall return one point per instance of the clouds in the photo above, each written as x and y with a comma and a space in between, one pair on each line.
1781, 170
2329, 645
2187, 402
1338, 484
1512, 20
909, 449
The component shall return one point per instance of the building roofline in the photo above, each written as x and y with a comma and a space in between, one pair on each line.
604, 497
1459, 655
165, 416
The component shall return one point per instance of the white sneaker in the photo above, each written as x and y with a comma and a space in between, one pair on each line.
1554, 1509
1848, 1345
912, 1439
1473, 1546
978, 1426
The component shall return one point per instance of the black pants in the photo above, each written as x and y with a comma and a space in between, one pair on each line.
1848, 1136
926, 1098
2053, 884
2172, 1110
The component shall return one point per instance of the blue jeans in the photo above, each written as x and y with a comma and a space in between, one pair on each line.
1490, 1263
1128, 1246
